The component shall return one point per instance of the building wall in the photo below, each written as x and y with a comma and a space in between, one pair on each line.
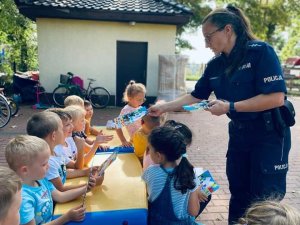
88, 49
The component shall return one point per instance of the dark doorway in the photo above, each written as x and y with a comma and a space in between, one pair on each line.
131, 65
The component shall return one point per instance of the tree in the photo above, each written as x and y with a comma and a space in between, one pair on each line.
17, 39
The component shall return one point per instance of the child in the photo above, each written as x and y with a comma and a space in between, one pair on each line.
182, 128
10, 197
140, 137
134, 95
88, 117
271, 212
84, 150
57, 172
188, 136
170, 180
73, 100
37, 192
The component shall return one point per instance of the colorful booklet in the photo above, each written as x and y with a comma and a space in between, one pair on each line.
207, 183
101, 170
200, 105
124, 120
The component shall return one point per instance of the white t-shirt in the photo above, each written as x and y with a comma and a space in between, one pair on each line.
69, 151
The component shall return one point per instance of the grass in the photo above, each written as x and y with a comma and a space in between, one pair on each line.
192, 77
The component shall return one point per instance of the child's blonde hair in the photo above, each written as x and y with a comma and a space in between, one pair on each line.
75, 112
42, 124
64, 116
23, 150
271, 212
10, 184
73, 100
132, 89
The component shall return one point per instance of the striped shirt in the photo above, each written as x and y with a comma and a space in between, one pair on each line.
155, 179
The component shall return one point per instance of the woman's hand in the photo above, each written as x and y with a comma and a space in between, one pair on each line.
218, 107
156, 110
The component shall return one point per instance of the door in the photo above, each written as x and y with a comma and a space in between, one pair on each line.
131, 65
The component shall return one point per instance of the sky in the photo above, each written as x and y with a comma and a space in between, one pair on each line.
199, 54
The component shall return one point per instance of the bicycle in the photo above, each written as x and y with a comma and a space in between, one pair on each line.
5, 112
13, 105
98, 96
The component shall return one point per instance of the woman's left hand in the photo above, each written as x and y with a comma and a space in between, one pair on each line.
218, 107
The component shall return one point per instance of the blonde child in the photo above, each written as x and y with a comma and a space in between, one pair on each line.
10, 197
74, 100
271, 213
88, 117
140, 138
171, 180
57, 172
134, 96
84, 151
37, 192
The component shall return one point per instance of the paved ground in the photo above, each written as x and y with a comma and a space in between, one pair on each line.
208, 151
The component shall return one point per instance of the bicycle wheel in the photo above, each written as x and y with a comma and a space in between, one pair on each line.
59, 95
99, 97
4, 112
14, 107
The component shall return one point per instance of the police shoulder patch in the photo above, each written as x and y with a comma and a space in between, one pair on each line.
256, 45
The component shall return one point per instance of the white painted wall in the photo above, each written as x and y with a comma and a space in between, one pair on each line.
88, 49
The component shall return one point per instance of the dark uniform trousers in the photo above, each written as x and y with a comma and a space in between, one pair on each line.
257, 164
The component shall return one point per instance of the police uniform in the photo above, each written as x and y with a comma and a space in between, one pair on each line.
257, 156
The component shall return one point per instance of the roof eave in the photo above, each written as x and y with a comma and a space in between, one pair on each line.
33, 12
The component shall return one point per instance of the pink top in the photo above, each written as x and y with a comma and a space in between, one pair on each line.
131, 128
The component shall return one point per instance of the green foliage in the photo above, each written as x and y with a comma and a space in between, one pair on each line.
17, 38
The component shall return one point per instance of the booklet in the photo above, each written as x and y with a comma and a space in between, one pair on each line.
207, 183
108, 162
124, 120
101, 170
200, 105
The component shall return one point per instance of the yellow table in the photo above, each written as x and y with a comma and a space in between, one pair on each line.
121, 199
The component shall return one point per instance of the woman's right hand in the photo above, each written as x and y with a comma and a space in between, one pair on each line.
156, 110
77, 213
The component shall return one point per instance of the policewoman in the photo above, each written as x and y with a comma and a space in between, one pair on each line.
247, 79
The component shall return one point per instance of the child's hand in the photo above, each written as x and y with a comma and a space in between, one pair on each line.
76, 214
91, 170
101, 138
80, 142
91, 183
126, 143
99, 180
103, 147
201, 196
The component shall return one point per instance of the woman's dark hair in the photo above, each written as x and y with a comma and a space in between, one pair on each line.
171, 143
241, 26
182, 128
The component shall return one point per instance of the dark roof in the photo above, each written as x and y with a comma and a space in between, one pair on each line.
146, 11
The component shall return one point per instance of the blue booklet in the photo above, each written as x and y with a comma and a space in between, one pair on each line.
207, 183
200, 105
124, 120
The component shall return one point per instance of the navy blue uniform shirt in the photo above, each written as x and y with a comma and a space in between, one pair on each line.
259, 73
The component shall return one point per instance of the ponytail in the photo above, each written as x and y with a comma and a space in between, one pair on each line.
241, 26
171, 143
184, 176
